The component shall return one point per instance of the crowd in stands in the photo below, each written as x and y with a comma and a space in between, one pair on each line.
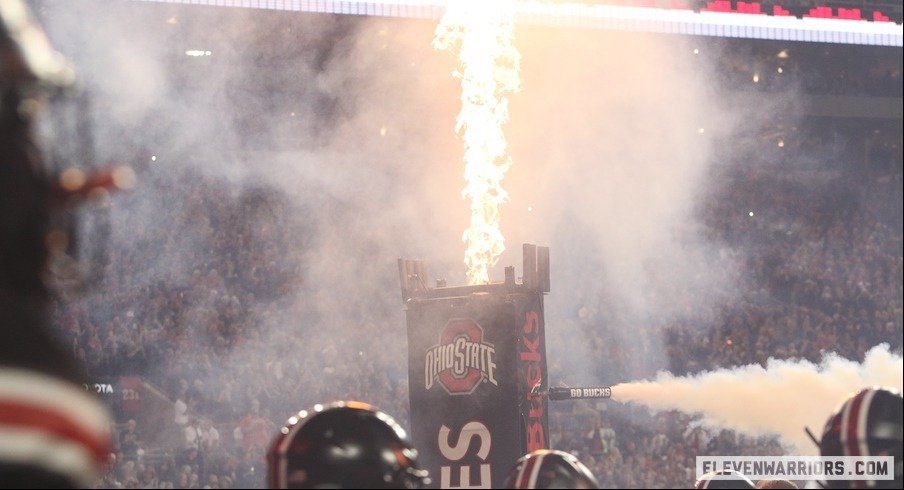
825, 274
194, 321
823, 251
822, 255
809, 69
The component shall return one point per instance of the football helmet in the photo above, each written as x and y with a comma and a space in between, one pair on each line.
868, 423
343, 445
548, 468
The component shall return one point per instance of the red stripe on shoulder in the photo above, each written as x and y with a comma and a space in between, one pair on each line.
31, 416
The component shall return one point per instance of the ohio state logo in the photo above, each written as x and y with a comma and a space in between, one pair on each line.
461, 360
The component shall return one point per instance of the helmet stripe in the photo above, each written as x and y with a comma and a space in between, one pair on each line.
55, 394
521, 479
65, 458
54, 424
862, 420
536, 470
862, 430
524, 475
848, 429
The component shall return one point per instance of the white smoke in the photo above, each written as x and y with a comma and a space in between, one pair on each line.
609, 167
352, 121
779, 399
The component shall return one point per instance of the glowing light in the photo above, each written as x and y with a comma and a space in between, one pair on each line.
701, 130
750, 214
196, 53
782, 54
780, 70
756, 78
383, 131
781, 143
481, 33
153, 158
124, 177
72, 179
696, 51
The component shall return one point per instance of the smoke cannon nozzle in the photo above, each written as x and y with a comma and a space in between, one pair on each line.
596, 392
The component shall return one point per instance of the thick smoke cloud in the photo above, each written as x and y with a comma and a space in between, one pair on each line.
612, 138
744, 398
344, 122
349, 121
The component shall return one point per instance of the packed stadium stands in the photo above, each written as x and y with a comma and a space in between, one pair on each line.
203, 378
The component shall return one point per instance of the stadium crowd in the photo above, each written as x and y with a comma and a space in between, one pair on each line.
824, 265
206, 305
825, 274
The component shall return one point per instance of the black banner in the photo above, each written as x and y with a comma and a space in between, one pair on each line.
473, 361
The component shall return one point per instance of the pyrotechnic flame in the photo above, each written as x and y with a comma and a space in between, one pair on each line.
481, 31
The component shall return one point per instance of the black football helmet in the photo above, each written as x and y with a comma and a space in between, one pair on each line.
724, 479
343, 445
548, 468
868, 423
